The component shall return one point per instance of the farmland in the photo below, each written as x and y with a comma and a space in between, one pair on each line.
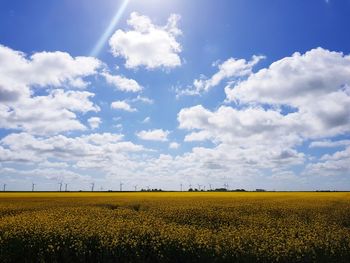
175, 227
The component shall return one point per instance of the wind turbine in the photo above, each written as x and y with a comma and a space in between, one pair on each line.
92, 187
181, 187
33, 186
199, 187
4, 187
60, 186
65, 187
210, 187
121, 187
135, 187
226, 186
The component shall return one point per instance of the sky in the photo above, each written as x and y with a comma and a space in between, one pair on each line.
159, 94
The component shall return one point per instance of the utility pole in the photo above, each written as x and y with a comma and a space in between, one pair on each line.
92, 187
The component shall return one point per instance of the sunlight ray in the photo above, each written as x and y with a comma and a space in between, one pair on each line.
106, 34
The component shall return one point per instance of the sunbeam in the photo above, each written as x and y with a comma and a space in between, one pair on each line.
104, 37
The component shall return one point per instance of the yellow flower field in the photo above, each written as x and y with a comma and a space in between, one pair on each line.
175, 227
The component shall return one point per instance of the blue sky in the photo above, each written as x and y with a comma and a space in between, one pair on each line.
156, 94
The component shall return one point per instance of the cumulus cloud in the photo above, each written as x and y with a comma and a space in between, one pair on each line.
37, 114
174, 145
315, 84
331, 164
249, 126
122, 105
92, 147
229, 70
147, 44
121, 83
153, 135
102, 153
94, 122
22, 76
255, 141
299, 98
42, 69
292, 80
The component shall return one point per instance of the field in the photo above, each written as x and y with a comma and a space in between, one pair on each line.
175, 227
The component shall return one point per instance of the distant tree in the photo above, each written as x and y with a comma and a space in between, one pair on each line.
220, 189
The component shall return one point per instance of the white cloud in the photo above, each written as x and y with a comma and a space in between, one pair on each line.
316, 84
146, 120
102, 138
42, 69
94, 122
331, 165
119, 126
122, 105
329, 144
142, 99
92, 147
297, 99
153, 135
147, 44
174, 145
296, 79
197, 136
48, 164
38, 114
121, 83
249, 126
255, 142
50, 173
229, 70
21, 77
7, 155
101, 153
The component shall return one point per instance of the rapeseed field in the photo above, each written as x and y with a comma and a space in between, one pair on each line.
175, 227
